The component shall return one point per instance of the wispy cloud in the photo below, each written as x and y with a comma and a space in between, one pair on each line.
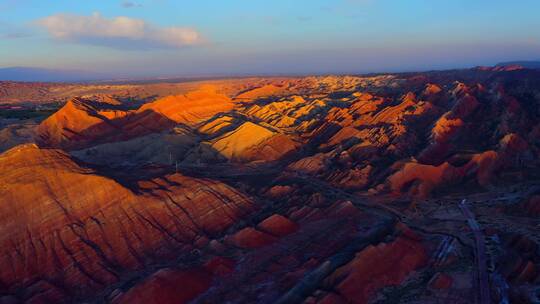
9, 31
303, 18
15, 35
130, 4
118, 32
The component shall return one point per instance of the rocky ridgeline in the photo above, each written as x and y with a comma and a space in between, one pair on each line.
250, 194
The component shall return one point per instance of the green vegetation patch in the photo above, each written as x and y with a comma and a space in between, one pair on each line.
25, 114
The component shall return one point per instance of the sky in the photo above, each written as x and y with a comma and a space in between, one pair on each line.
151, 38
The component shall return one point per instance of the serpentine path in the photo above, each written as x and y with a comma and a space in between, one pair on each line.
481, 261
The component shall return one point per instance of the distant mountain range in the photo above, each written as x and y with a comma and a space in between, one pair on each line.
32, 74
525, 64
47, 75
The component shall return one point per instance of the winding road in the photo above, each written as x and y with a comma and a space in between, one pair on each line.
388, 213
480, 254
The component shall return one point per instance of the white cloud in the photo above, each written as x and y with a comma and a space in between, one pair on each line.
118, 32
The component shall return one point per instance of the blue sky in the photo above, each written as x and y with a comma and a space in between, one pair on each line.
229, 37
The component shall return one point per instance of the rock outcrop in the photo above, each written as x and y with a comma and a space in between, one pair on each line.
251, 142
379, 266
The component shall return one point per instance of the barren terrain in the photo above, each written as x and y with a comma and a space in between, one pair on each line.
395, 188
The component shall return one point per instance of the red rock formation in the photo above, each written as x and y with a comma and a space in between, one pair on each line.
519, 264
190, 109
220, 266
263, 91
446, 127
431, 89
353, 179
271, 149
532, 206
70, 225
279, 191
250, 238
343, 135
483, 166
420, 180
277, 225
311, 165
82, 123
168, 286
441, 281
378, 267
252, 142
77, 124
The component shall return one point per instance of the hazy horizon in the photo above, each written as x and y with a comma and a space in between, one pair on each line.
160, 38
